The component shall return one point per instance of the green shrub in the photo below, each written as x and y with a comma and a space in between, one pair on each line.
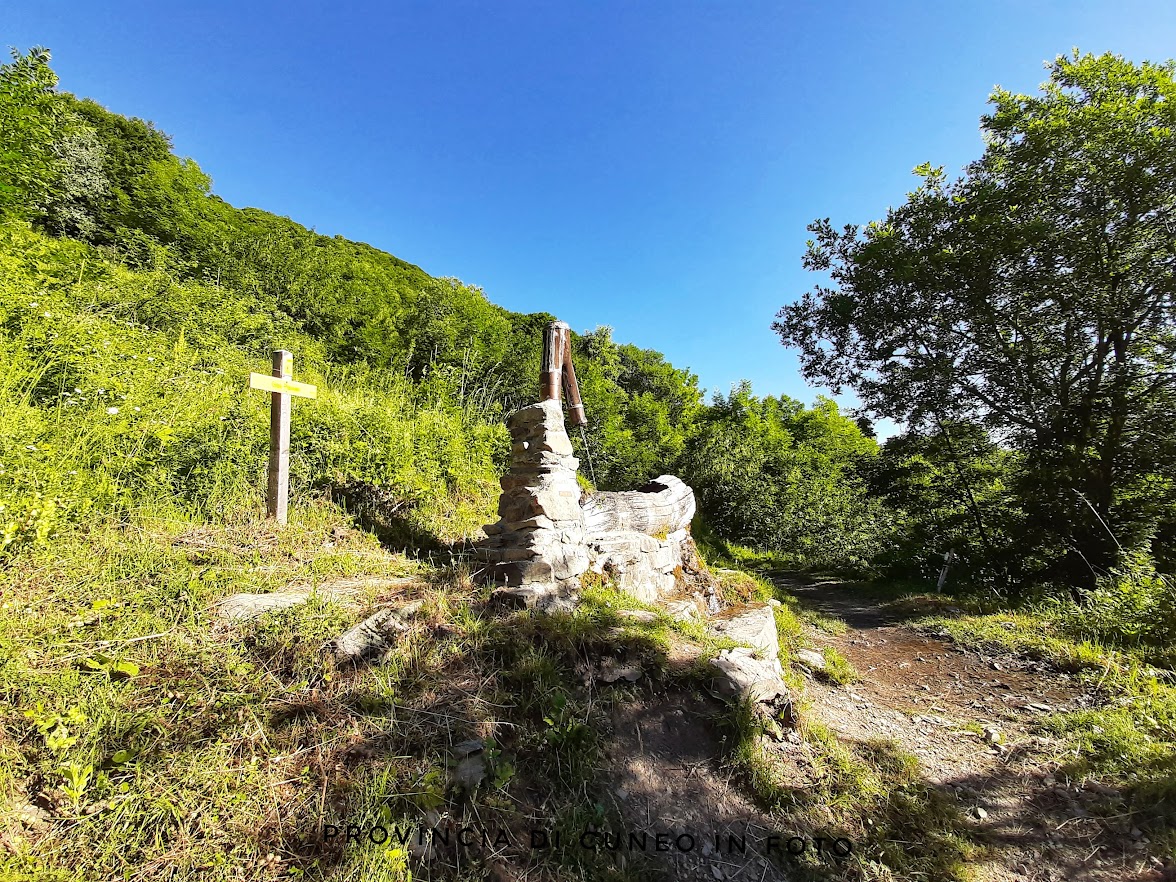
1134, 607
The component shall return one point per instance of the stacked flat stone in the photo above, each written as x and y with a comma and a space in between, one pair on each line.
641, 565
537, 549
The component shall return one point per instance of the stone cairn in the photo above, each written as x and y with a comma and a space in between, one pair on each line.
549, 534
537, 550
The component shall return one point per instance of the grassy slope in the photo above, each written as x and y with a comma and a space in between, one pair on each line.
139, 733
128, 425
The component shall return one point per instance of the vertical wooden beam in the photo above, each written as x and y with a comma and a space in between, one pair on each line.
947, 561
278, 487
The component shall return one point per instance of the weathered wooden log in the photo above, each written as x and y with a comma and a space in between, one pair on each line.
370, 637
663, 506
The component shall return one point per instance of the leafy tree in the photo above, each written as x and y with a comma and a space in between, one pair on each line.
953, 488
27, 131
774, 475
1035, 296
71, 208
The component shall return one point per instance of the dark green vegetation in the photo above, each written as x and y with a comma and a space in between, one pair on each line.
1021, 321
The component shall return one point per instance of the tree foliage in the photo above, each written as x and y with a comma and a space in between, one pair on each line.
774, 475
1034, 296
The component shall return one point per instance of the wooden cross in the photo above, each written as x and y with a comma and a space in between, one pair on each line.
281, 387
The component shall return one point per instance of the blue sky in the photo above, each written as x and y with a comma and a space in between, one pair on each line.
649, 166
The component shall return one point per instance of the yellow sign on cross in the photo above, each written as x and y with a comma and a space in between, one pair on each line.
282, 385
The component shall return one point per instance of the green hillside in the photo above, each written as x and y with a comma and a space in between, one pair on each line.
133, 305
142, 733
117, 252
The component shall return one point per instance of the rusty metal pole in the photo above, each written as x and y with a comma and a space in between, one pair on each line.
555, 340
572, 391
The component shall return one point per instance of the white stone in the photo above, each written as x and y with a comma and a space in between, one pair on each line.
752, 626
812, 660
683, 610
241, 607
741, 675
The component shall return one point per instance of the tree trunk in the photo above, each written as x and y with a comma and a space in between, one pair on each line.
664, 505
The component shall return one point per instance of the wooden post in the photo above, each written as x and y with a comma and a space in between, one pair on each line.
947, 561
282, 389
278, 488
572, 390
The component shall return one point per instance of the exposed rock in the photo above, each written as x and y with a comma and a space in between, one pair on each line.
694, 576
753, 626
242, 607
684, 610
468, 748
610, 672
541, 597
469, 773
814, 661
410, 609
643, 616
743, 676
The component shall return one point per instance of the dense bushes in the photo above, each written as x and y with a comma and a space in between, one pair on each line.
1133, 607
771, 474
122, 394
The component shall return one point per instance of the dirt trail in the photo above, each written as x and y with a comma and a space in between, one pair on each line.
970, 719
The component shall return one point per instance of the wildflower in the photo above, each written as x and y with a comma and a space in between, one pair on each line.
137, 409
34, 304
151, 358
112, 410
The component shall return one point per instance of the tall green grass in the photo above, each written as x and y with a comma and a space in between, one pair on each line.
127, 392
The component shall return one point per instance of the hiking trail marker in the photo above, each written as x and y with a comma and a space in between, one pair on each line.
282, 389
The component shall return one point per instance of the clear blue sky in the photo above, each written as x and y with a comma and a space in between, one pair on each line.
649, 166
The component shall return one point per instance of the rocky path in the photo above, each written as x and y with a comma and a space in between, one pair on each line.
971, 719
